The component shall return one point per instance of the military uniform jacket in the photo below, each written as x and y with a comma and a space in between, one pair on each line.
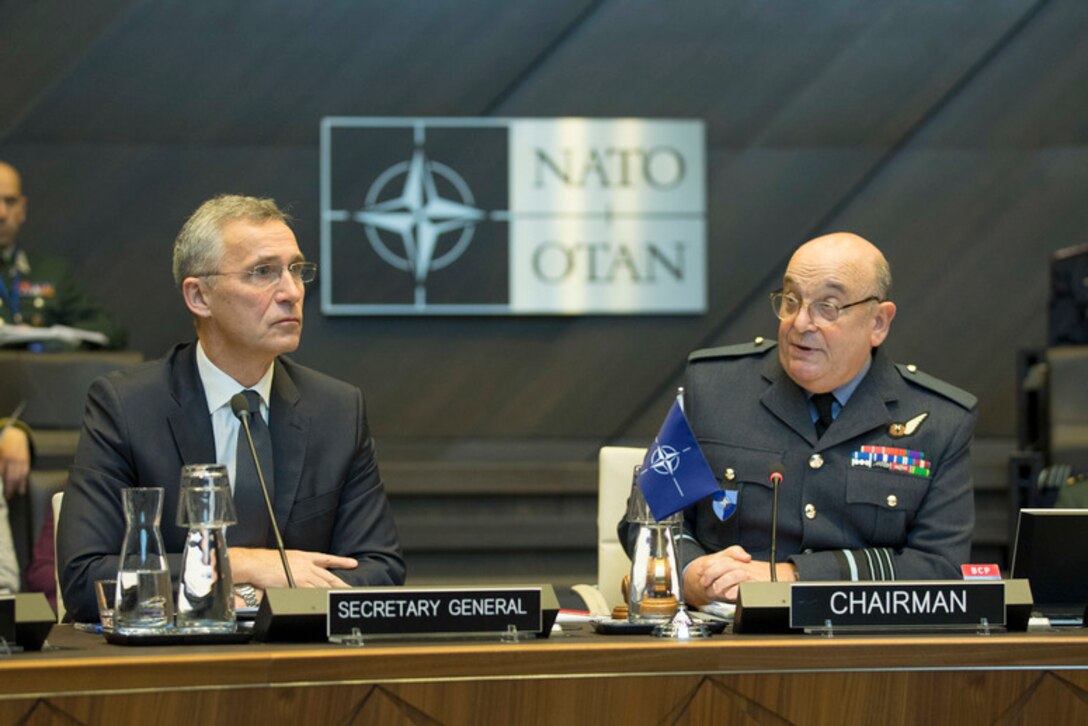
48, 294
845, 510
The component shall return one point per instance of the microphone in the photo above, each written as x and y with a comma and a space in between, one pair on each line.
776, 478
240, 407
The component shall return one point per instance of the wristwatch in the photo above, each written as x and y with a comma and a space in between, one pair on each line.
249, 595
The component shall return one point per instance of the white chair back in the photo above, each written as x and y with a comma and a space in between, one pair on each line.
616, 465
58, 499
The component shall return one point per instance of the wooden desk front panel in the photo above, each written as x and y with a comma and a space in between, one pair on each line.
1013, 679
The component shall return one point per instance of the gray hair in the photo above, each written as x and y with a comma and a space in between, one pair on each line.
883, 279
199, 246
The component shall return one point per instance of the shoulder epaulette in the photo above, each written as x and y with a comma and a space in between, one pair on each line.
911, 373
1067, 252
759, 345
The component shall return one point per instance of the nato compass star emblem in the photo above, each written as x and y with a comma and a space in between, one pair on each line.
665, 460
428, 231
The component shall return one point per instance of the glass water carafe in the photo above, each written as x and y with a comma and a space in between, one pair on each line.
205, 588
144, 600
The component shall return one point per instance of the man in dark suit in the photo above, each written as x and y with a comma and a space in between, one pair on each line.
876, 456
243, 277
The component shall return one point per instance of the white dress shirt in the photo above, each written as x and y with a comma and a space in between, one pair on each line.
219, 388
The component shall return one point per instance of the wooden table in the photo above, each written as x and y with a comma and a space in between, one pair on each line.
577, 678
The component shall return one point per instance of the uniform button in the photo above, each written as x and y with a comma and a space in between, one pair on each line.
815, 461
808, 551
758, 340
730, 475
892, 500
810, 511
39, 303
912, 368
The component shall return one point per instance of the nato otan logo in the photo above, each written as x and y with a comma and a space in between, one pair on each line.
419, 217
512, 216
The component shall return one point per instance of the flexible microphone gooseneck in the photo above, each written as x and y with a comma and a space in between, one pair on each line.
240, 407
776, 478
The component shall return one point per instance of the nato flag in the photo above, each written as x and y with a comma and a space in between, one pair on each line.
675, 473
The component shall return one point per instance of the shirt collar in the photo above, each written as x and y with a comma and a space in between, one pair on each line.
219, 387
14, 259
845, 391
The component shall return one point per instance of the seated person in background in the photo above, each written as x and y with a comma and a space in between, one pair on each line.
15, 456
41, 290
9, 565
831, 406
1067, 321
242, 277
40, 574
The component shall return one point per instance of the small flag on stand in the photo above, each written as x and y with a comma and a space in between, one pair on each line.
675, 473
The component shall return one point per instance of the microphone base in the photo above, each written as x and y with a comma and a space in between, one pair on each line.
25, 620
292, 616
762, 607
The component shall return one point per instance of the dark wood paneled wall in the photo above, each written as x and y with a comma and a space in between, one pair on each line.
953, 134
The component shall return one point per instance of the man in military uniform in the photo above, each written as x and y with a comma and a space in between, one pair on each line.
875, 456
40, 290
1068, 306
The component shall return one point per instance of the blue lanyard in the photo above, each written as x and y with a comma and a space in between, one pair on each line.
11, 299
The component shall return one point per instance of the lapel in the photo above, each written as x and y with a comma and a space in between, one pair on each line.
867, 409
189, 420
290, 430
786, 400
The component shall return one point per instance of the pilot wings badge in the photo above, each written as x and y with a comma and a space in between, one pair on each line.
899, 430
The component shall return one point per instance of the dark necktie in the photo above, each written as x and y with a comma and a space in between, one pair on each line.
823, 402
252, 528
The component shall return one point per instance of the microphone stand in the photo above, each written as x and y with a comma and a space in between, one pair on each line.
774, 529
776, 479
267, 501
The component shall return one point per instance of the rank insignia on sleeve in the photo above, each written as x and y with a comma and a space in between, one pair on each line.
899, 430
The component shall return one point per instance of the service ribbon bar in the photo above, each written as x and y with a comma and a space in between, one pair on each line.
902, 461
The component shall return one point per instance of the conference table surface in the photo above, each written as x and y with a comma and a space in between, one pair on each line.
570, 675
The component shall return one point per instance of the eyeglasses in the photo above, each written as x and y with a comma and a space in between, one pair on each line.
268, 275
822, 312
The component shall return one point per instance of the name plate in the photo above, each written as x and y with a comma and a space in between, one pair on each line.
897, 605
407, 611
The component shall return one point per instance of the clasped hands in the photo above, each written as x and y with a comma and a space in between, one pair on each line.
717, 576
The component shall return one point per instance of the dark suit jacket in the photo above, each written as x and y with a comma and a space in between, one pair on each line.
141, 425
